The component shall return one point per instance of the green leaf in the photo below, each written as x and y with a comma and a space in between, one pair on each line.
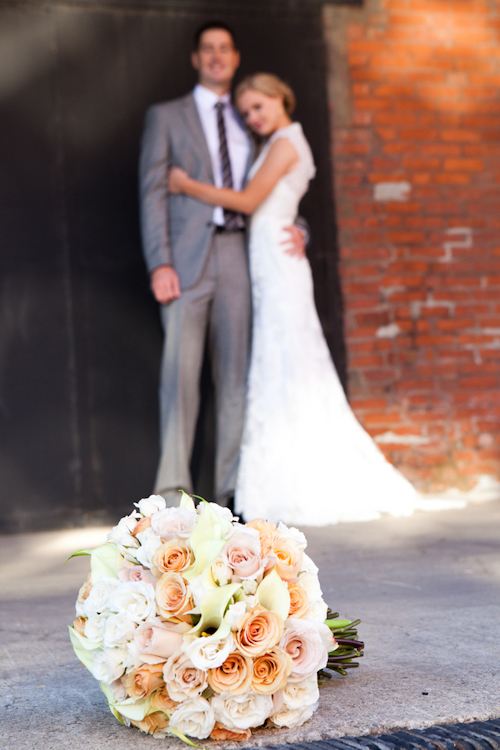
83, 648
106, 560
273, 594
80, 553
337, 624
111, 699
185, 739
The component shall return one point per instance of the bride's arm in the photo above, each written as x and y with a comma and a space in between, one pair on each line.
281, 158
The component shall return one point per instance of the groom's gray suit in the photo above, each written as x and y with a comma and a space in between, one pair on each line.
215, 296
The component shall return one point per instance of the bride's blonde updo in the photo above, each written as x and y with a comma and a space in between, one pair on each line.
269, 85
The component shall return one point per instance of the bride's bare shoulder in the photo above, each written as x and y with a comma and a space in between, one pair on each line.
283, 152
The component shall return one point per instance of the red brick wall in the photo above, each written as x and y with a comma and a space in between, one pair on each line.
415, 101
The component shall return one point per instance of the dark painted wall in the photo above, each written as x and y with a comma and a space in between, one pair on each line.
79, 333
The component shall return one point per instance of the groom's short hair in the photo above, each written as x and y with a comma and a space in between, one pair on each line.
207, 26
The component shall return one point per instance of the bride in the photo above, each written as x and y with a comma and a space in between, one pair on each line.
305, 459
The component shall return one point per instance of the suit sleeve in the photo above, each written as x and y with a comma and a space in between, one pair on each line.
153, 191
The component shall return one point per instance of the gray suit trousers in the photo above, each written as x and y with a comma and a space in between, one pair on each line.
218, 304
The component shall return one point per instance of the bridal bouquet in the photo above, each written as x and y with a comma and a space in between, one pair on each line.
195, 624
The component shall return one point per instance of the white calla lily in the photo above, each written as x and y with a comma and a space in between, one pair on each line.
272, 593
213, 608
186, 501
204, 554
210, 527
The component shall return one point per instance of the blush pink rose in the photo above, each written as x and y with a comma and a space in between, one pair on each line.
136, 573
174, 522
308, 643
157, 641
243, 553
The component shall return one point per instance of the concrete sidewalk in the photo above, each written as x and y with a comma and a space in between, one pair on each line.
427, 589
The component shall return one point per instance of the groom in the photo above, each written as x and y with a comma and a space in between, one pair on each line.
196, 257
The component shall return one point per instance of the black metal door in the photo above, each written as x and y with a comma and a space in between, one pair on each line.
79, 333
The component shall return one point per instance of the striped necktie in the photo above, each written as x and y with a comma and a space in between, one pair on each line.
232, 219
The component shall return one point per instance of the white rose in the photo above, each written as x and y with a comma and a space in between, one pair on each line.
97, 601
207, 653
121, 535
94, 628
136, 600
119, 629
221, 572
194, 718
250, 585
109, 664
135, 659
318, 612
152, 504
310, 583
149, 544
174, 522
300, 694
292, 533
292, 718
234, 614
242, 711
251, 602
308, 566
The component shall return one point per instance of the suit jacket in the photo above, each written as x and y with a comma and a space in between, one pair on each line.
176, 229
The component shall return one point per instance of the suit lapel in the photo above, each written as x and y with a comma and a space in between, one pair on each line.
193, 124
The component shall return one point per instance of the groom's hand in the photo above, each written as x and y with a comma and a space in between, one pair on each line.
165, 284
295, 244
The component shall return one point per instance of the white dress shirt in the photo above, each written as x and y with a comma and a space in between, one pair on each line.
238, 143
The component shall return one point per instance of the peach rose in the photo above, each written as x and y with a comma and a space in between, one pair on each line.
220, 732
136, 573
243, 553
258, 631
161, 701
152, 722
184, 681
173, 597
83, 594
267, 533
157, 640
141, 525
270, 671
79, 625
299, 601
141, 682
173, 556
233, 676
288, 558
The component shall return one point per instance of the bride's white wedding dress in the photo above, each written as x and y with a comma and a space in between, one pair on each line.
305, 459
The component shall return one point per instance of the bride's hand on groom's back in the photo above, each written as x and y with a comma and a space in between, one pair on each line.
295, 244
